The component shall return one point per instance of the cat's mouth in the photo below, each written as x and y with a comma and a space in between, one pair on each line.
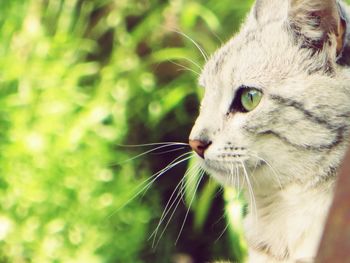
232, 167
222, 166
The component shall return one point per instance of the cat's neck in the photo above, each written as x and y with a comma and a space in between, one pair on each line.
282, 223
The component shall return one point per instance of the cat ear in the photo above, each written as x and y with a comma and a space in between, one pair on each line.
344, 53
265, 11
317, 23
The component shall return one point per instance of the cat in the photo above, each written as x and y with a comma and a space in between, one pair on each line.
275, 117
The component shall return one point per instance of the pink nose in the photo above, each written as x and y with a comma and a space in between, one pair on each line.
199, 146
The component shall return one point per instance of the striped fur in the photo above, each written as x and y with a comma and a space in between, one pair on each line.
286, 152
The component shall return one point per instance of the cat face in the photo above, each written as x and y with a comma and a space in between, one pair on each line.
275, 102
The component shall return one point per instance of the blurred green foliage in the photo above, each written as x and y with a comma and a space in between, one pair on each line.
78, 78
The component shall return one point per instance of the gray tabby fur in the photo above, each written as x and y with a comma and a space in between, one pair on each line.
286, 152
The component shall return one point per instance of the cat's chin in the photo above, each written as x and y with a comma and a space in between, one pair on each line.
224, 173
220, 176
231, 173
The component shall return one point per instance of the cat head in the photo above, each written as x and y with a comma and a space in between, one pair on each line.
276, 100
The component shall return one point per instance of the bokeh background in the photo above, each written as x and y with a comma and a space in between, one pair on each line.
78, 80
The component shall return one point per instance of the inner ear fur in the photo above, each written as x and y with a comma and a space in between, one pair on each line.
316, 22
341, 35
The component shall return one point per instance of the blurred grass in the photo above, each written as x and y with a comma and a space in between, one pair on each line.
78, 78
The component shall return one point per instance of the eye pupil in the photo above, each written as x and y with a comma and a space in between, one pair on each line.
250, 99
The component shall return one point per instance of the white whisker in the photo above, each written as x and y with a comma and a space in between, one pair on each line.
201, 50
184, 68
168, 207
149, 181
240, 185
172, 165
146, 152
194, 63
150, 144
250, 190
177, 200
169, 151
223, 232
189, 206
271, 167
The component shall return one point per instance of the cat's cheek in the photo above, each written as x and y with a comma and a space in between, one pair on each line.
218, 176
213, 172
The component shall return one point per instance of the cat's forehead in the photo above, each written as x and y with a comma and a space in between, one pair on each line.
257, 54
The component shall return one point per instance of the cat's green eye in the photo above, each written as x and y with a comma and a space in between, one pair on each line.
250, 98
